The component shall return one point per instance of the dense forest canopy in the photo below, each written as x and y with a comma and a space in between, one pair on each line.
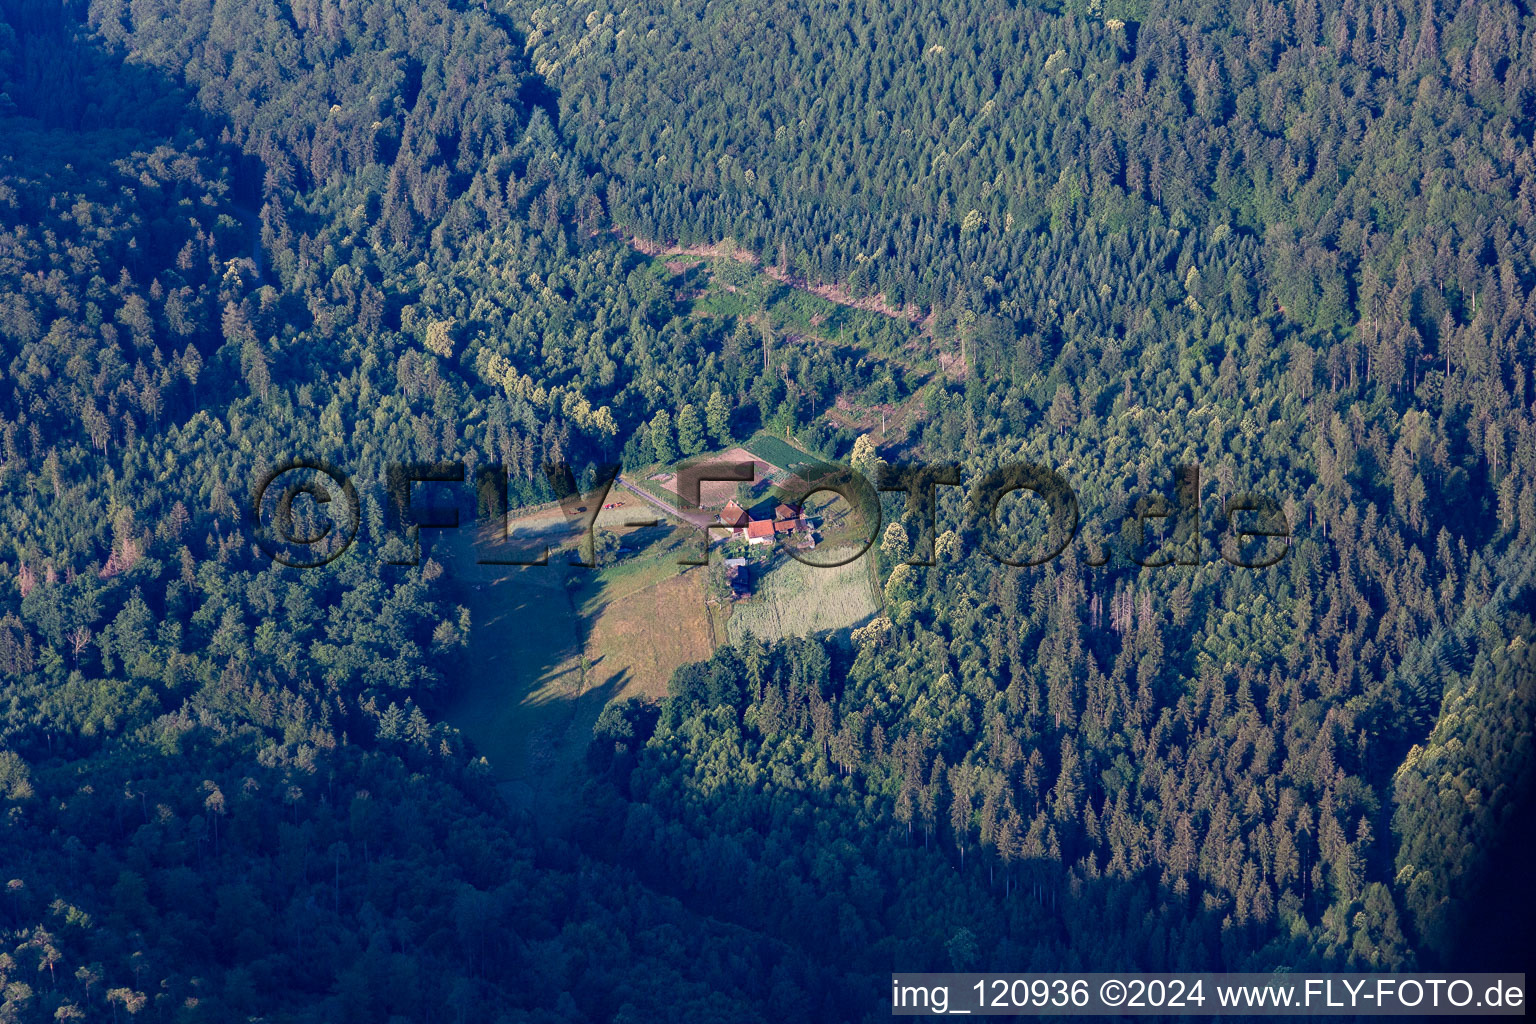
1290, 243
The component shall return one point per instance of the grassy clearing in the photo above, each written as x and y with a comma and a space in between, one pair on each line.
644, 615
792, 599
722, 286
549, 646
635, 642
722, 302
525, 692
801, 312
651, 557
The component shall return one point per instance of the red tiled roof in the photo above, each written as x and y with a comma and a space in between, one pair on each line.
786, 512
760, 528
733, 514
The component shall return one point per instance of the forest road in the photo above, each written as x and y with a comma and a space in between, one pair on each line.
700, 518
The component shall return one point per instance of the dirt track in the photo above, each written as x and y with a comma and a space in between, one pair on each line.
700, 518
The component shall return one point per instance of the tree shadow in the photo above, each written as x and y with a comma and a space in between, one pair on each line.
529, 690
768, 859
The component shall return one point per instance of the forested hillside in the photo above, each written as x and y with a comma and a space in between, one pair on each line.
226, 792
1287, 242
1066, 168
